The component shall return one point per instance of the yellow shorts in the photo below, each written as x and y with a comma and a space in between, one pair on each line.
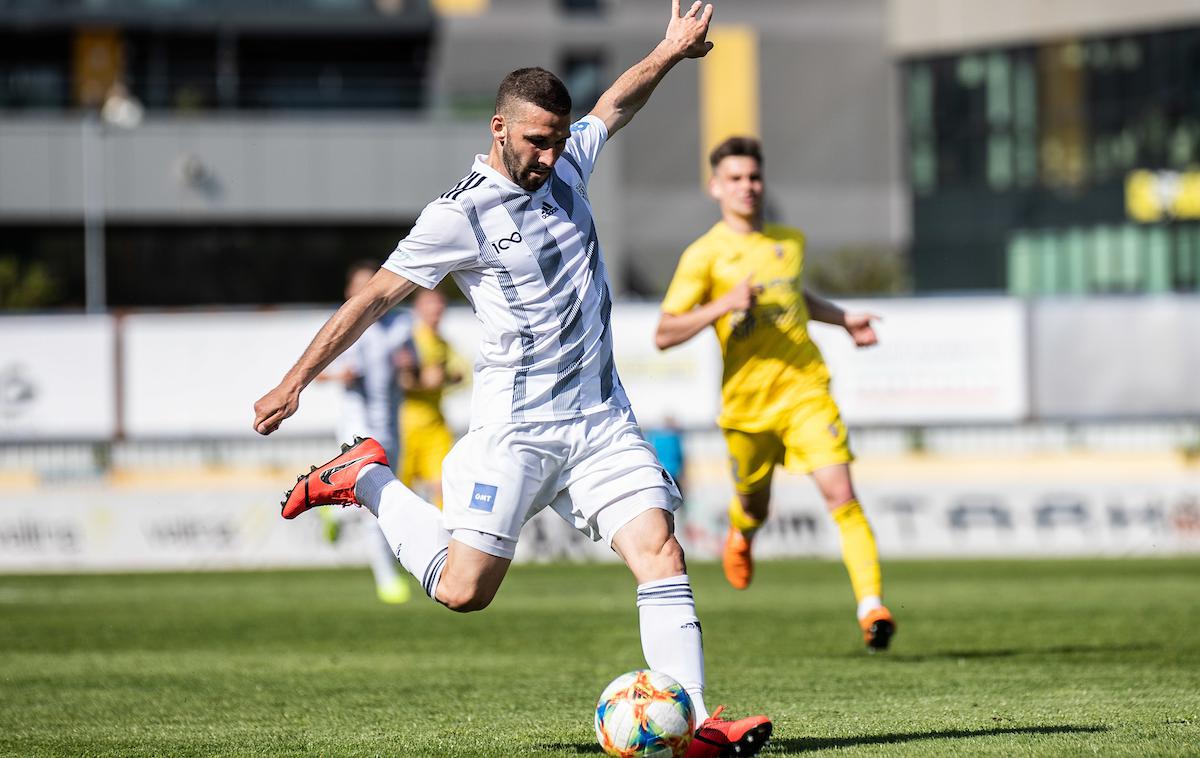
812, 438
425, 445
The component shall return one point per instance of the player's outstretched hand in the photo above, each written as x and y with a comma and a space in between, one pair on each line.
860, 329
273, 407
687, 32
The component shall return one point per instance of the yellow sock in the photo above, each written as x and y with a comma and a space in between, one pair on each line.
742, 521
858, 550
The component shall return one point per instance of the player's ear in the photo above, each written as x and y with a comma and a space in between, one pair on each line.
499, 129
713, 190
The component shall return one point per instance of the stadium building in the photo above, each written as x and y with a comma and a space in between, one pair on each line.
1052, 148
316, 130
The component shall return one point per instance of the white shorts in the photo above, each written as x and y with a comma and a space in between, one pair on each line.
597, 472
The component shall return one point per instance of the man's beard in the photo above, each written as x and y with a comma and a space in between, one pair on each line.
530, 182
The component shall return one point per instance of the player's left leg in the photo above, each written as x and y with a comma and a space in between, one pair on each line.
818, 442
617, 490
859, 552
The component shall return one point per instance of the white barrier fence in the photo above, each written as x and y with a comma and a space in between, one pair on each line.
1151, 512
188, 375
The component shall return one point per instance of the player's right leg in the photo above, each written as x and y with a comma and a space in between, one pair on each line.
752, 457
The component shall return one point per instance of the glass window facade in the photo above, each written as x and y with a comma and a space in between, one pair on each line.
1019, 158
191, 56
182, 265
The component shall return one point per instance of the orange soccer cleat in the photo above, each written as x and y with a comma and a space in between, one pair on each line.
333, 483
878, 627
718, 738
736, 560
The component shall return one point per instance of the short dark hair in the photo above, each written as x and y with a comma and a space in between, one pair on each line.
736, 146
536, 86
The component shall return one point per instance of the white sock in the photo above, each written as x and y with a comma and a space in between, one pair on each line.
412, 526
379, 552
671, 638
868, 604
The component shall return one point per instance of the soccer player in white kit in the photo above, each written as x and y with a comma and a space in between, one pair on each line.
551, 425
370, 372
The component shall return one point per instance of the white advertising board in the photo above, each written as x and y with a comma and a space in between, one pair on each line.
57, 378
938, 360
107, 528
199, 374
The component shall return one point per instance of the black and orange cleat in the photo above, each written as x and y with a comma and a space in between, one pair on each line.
878, 628
333, 483
718, 738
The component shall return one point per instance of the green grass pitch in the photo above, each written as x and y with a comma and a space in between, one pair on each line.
996, 657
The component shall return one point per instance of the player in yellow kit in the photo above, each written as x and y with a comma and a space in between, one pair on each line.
744, 278
427, 436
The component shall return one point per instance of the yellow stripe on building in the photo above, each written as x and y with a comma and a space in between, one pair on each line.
460, 7
728, 88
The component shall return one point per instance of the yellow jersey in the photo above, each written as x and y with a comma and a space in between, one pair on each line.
424, 407
771, 364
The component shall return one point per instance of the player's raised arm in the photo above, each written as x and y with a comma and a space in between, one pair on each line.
685, 38
381, 294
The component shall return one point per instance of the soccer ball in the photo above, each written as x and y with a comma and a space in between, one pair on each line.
645, 714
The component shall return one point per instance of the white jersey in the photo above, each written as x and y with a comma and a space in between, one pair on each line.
371, 404
530, 264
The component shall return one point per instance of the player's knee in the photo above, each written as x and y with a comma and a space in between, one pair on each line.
465, 600
836, 497
464, 597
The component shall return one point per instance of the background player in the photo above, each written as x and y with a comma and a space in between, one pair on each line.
427, 436
743, 277
551, 424
371, 372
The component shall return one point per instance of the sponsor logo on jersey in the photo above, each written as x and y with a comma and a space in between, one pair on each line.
548, 210
483, 498
505, 243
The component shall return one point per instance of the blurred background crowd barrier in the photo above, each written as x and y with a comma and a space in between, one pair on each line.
986, 426
1014, 186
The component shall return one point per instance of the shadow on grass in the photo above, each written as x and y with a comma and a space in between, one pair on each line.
806, 744
950, 655
794, 745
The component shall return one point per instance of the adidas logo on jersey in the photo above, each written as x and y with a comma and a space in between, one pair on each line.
548, 210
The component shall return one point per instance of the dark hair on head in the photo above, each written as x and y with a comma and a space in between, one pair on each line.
747, 146
364, 264
536, 86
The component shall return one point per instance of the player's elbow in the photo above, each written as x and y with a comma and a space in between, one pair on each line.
663, 342
663, 338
